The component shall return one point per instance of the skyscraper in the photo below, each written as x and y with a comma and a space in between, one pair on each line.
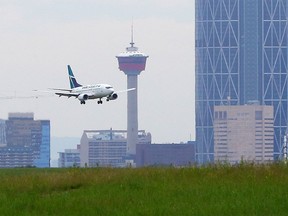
241, 57
132, 63
27, 141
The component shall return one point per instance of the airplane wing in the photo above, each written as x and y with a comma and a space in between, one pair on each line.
126, 90
61, 89
67, 94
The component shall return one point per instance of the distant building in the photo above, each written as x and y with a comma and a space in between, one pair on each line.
69, 158
17, 156
243, 133
165, 154
2, 132
106, 147
27, 141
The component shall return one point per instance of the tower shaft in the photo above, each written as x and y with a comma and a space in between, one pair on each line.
132, 115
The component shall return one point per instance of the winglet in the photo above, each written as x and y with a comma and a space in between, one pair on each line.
73, 82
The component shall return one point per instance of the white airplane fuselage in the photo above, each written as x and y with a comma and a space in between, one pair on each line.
94, 91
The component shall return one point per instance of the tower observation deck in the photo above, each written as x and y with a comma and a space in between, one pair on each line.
132, 62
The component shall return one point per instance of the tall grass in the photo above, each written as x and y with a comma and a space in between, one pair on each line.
246, 189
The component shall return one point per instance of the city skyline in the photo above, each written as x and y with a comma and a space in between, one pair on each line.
39, 39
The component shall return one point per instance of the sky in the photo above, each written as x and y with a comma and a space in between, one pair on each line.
39, 38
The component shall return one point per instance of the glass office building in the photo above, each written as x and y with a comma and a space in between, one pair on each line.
43, 157
27, 141
241, 58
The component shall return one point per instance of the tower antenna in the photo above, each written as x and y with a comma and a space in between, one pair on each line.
132, 39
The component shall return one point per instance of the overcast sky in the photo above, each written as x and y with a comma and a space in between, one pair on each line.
38, 38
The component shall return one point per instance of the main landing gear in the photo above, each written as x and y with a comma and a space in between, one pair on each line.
99, 101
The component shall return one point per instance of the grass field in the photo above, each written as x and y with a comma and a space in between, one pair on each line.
213, 190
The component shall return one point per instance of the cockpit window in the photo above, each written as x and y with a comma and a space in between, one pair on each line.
108, 87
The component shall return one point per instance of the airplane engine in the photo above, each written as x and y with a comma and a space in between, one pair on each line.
83, 97
113, 96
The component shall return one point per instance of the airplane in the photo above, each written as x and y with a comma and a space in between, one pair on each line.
87, 92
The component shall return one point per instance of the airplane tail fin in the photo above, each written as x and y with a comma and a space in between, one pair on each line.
72, 79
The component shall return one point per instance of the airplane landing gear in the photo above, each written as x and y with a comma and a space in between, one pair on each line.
100, 101
82, 102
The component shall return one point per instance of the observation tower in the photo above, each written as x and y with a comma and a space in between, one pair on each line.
132, 62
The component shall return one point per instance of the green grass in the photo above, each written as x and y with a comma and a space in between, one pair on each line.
214, 190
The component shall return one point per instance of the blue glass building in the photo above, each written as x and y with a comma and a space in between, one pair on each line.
43, 157
241, 56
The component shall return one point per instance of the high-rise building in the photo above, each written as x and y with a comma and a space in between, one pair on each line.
27, 141
241, 56
243, 133
132, 63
